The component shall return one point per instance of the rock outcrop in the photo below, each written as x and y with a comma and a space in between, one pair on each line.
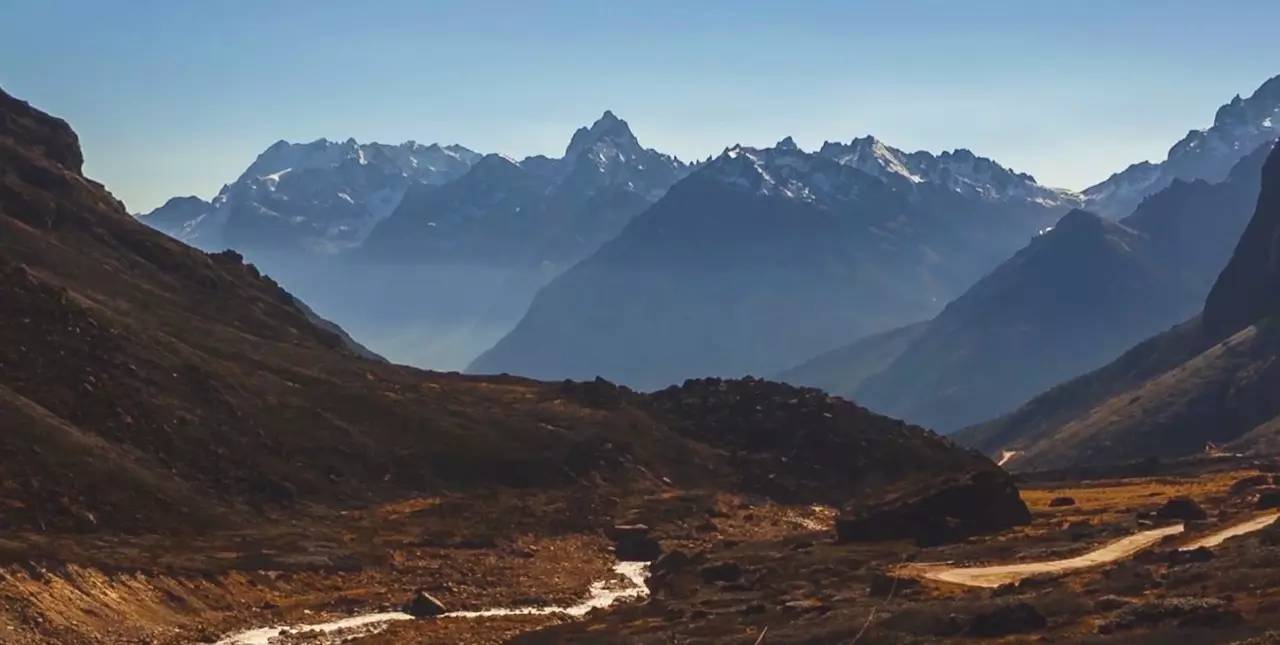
983, 503
424, 605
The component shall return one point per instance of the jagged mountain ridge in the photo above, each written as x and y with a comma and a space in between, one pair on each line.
1239, 127
959, 170
435, 269
716, 276
319, 196
1072, 300
539, 211
1209, 381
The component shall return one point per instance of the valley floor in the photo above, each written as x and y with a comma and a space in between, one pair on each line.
746, 566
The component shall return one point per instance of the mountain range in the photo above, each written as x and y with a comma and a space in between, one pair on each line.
765, 256
1210, 381
322, 196
757, 261
1239, 127
149, 387
537, 212
1076, 297
193, 452
426, 253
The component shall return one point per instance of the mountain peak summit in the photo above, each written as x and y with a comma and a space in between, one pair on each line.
607, 127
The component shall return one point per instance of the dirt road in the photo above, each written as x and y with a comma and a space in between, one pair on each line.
1218, 537
996, 575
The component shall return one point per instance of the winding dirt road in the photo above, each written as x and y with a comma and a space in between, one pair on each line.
1218, 537
996, 575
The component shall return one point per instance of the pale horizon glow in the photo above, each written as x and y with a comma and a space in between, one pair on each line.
178, 98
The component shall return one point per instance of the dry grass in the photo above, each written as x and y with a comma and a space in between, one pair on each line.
1118, 499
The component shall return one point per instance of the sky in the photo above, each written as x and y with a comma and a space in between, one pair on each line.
177, 98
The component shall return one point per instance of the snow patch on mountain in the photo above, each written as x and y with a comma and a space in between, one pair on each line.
959, 170
323, 195
1239, 128
838, 170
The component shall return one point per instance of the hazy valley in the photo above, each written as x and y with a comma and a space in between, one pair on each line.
847, 392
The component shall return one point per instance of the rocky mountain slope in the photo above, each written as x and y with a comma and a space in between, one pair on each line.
1074, 299
723, 275
150, 387
1239, 127
1210, 381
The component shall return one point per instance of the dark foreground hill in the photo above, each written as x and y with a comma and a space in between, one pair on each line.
148, 386
1210, 381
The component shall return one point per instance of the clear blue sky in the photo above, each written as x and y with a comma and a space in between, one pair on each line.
178, 97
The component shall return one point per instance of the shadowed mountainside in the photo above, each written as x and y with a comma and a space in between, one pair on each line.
1074, 299
148, 386
1212, 380
724, 274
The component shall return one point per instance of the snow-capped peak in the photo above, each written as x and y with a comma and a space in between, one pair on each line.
872, 156
330, 192
959, 170
1239, 127
786, 170
783, 170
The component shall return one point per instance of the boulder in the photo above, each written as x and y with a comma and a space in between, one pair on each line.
984, 502
721, 572
1251, 482
669, 563
1181, 508
1190, 556
1062, 501
424, 605
1268, 498
885, 584
632, 543
1012, 618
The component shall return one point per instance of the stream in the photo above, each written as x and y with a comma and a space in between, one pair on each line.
602, 594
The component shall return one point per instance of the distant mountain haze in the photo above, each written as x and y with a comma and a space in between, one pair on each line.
429, 254
1079, 294
1072, 300
322, 196
764, 257
1239, 127
151, 387
1210, 381
532, 212
754, 262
